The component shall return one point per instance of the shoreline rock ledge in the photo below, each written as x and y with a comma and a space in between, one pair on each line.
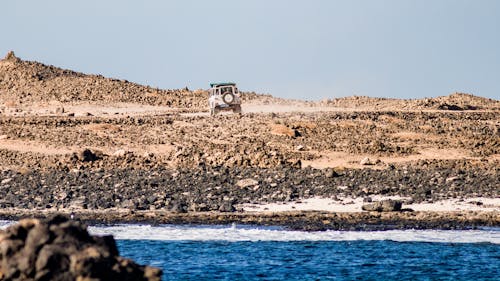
62, 249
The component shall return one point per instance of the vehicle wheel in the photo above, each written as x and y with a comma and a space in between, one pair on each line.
228, 98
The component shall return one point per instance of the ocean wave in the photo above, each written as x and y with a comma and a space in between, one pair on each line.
236, 233
245, 233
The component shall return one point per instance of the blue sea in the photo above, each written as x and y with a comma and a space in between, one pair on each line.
253, 253
237, 252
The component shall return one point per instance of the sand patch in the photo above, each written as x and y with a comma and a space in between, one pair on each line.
343, 159
31, 146
354, 205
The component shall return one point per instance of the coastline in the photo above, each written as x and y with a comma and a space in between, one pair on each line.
112, 151
291, 220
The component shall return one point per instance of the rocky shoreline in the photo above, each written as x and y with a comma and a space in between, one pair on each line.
220, 189
296, 220
114, 151
213, 195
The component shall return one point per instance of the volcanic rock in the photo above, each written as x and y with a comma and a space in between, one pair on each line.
279, 129
227, 206
247, 182
367, 161
62, 249
88, 155
383, 206
449, 107
330, 173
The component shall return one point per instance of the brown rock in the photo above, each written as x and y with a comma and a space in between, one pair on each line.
88, 155
247, 183
11, 57
61, 249
383, 206
279, 129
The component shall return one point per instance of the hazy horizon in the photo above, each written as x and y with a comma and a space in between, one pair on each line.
292, 49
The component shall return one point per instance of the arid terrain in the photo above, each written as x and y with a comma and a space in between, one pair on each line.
112, 150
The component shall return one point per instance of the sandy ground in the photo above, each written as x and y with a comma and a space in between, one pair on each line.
130, 109
90, 109
354, 205
347, 160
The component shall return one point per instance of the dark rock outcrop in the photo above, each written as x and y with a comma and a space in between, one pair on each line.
383, 206
62, 249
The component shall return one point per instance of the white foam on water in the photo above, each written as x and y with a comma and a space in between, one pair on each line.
4, 224
236, 233
245, 233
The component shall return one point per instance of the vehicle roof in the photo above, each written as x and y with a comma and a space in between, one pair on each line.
222, 84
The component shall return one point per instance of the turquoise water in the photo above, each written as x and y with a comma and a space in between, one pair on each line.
317, 260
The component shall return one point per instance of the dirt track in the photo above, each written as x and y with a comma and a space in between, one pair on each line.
72, 141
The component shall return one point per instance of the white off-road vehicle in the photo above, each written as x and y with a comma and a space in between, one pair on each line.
224, 96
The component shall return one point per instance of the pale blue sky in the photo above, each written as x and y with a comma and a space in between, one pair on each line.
298, 49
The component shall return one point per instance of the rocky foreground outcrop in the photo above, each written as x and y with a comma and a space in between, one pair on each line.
62, 249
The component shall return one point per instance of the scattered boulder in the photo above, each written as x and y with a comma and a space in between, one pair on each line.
6, 181
477, 203
178, 207
278, 129
88, 155
60, 110
62, 249
383, 206
330, 173
297, 163
227, 206
367, 161
120, 153
446, 106
244, 183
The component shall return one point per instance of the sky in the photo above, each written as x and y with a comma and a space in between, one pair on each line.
299, 49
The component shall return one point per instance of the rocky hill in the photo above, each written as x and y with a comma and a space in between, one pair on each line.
455, 101
29, 82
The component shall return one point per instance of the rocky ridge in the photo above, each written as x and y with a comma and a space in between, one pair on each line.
26, 82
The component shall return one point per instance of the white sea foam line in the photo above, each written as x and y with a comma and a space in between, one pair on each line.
245, 233
4, 223
187, 233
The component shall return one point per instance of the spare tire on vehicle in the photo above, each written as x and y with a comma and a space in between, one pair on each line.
228, 98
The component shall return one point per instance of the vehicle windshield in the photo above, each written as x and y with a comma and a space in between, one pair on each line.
226, 90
